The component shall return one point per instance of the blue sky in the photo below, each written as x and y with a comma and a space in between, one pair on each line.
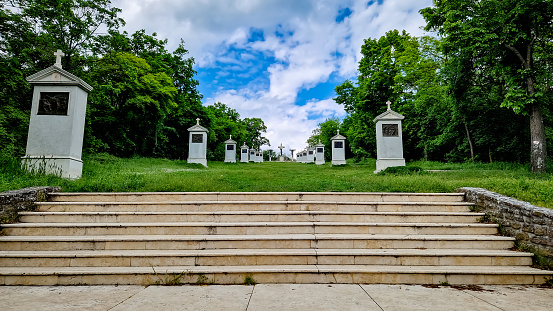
278, 60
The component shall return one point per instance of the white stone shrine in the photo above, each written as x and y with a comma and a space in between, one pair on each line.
197, 144
244, 153
56, 128
320, 154
230, 150
338, 149
252, 155
310, 155
389, 140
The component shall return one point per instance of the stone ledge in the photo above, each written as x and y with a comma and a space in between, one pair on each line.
529, 224
14, 201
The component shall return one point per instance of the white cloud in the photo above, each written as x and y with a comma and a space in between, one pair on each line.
311, 48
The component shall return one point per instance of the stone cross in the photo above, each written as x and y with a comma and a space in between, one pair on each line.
389, 103
58, 55
281, 147
197, 121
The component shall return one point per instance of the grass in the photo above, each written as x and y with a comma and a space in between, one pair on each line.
110, 174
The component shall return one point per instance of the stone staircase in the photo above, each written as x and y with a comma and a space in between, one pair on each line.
237, 238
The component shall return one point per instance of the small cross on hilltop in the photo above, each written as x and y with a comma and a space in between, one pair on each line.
58, 55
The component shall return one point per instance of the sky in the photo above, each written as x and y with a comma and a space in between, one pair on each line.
278, 60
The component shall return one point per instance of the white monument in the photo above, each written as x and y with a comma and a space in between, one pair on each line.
389, 140
252, 155
320, 154
292, 154
270, 152
230, 150
244, 153
197, 144
56, 128
310, 155
338, 149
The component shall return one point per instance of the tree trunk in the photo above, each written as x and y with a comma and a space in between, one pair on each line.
470, 142
537, 135
538, 151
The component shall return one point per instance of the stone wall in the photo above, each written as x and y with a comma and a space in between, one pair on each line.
15, 201
529, 224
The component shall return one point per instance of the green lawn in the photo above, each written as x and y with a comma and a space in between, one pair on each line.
107, 173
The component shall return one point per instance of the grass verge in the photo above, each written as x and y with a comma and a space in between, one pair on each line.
105, 173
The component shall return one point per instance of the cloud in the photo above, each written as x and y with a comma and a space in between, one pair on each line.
256, 56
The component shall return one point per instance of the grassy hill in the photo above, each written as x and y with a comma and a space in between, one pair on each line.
107, 173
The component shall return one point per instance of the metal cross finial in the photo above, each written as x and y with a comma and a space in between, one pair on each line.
58, 55
197, 121
389, 103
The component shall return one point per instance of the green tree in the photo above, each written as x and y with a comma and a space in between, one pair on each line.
255, 127
323, 133
129, 105
511, 38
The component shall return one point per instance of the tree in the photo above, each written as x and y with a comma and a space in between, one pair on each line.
129, 105
511, 37
255, 127
323, 133
33, 30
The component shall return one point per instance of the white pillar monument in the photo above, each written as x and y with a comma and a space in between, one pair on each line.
230, 150
310, 155
56, 127
320, 154
338, 149
197, 144
244, 153
292, 154
252, 155
389, 140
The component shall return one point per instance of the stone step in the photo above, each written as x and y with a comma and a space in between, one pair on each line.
242, 257
250, 216
285, 241
245, 228
360, 274
256, 196
218, 206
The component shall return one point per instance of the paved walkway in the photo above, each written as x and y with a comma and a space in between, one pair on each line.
275, 297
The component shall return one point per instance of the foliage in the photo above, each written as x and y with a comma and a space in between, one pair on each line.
144, 98
507, 42
326, 130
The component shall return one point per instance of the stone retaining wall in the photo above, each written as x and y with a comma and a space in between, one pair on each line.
15, 201
529, 224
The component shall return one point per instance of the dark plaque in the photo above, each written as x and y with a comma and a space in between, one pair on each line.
244, 150
230, 147
252, 152
320, 150
390, 130
197, 138
53, 103
310, 152
338, 144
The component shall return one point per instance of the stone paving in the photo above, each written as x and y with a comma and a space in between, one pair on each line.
302, 297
